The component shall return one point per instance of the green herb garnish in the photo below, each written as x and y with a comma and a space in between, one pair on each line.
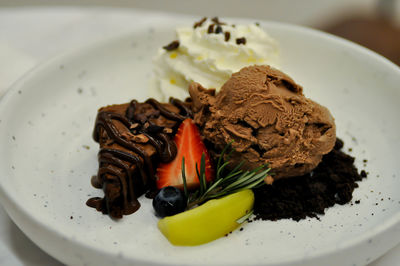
225, 182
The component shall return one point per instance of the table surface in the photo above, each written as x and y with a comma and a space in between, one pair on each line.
30, 35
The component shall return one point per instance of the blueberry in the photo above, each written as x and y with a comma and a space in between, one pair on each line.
169, 201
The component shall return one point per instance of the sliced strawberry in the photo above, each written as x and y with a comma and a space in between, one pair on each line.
191, 147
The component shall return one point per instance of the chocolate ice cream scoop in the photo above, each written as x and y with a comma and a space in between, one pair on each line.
270, 121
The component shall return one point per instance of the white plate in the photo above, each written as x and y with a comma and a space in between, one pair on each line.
48, 156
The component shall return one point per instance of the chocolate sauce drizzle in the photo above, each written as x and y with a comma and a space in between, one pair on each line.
126, 173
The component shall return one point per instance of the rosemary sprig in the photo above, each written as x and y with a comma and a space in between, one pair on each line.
226, 182
185, 190
244, 218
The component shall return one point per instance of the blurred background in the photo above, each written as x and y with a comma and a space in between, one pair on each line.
32, 31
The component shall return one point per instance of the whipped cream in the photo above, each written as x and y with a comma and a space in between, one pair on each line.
208, 54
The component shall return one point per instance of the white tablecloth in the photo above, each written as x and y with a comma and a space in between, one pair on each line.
29, 36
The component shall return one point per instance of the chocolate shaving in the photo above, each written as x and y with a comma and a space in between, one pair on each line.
172, 46
199, 23
227, 35
216, 21
210, 29
241, 40
218, 29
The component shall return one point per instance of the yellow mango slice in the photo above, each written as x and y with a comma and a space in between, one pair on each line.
210, 221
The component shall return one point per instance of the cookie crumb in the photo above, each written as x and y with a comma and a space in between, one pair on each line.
309, 195
363, 173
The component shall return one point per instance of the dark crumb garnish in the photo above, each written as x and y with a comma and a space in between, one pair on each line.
210, 29
218, 29
332, 182
338, 144
199, 23
172, 46
216, 21
363, 173
357, 202
227, 35
241, 40
257, 24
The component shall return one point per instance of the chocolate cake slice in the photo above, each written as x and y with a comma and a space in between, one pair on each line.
133, 137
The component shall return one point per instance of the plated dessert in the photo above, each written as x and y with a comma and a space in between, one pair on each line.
245, 141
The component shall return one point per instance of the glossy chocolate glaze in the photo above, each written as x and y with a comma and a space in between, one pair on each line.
133, 138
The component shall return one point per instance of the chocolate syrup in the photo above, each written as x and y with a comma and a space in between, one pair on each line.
127, 171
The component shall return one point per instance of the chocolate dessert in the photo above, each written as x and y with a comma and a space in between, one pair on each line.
263, 111
247, 145
133, 138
